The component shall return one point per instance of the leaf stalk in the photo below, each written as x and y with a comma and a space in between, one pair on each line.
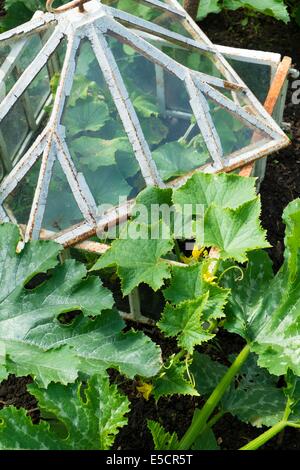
265, 437
200, 420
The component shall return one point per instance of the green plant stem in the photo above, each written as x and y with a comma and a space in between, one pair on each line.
179, 355
287, 410
200, 420
215, 419
293, 425
265, 437
272, 432
177, 250
212, 422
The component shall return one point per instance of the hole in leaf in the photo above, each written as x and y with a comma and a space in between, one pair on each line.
68, 318
36, 281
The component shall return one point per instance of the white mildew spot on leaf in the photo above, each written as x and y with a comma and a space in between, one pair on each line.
33, 341
92, 415
267, 312
254, 397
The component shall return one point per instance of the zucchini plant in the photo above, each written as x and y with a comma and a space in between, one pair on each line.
60, 325
278, 9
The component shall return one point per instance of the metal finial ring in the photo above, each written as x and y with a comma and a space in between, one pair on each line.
68, 6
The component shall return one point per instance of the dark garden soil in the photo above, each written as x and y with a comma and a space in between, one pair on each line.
281, 185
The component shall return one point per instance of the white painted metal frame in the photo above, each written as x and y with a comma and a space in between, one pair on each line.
33, 117
94, 24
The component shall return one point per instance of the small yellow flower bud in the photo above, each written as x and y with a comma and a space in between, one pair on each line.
197, 252
210, 278
145, 389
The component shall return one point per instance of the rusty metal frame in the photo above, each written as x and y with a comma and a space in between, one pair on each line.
94, 24
274, 92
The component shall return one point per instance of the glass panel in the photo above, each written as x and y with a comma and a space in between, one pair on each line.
234, 134
19, 128
60, 216
16, 58
47, 81
196, 60
4, 51
173, 136
176, 97
151, 13
19, 202
9, 55
14, 129
256, 76
278, 111
59, 55
190, 57
2, 169
38, 91
95, 135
